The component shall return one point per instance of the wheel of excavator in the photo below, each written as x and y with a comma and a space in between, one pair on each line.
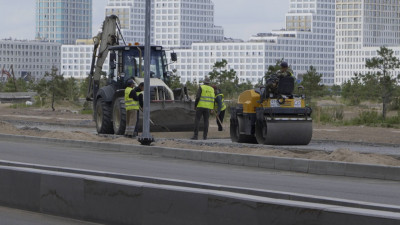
103, 117
119, 116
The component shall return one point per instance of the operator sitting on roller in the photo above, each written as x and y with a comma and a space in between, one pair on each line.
132, 108
283, 72
203, 104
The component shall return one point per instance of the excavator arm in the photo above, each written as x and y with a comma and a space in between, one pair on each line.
102, 41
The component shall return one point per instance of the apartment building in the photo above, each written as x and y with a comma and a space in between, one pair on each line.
63, 21
308, 39
362, 27
77, 59
29, 57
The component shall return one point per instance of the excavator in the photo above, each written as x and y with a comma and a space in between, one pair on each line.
272, 115
170, 110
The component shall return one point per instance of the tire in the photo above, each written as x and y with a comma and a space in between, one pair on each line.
234, 130
236, 136
119, 116
103, 117
261, 131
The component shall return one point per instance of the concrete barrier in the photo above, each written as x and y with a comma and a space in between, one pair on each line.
278, 163
117, 201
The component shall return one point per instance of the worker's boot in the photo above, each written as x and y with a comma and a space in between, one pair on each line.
194, 137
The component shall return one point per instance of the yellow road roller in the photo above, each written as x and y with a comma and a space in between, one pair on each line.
272, 115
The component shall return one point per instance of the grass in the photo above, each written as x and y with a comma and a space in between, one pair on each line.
20, 105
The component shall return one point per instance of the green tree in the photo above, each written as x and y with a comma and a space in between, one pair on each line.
174, 82
71, 89
10, 86
56, 86
42, 90
83, 87
352, 89
383, 66
311, 82
192, 87
225, 79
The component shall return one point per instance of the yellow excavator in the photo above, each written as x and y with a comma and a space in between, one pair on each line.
170, 110
272, 115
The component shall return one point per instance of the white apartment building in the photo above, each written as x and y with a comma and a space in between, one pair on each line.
179, 23
77, 59
362, 26
174, 23
131, 14
63, 21
307, 40
29, 57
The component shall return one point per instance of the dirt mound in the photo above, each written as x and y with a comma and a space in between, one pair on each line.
346, 155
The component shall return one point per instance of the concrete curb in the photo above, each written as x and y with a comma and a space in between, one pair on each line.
116, 201
277, 163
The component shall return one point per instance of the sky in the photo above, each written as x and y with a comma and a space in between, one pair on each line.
239, 18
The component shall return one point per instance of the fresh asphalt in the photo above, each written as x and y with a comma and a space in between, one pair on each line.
10, 216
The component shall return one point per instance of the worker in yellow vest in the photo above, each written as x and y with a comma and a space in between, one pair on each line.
219, 107
132, 107
204, 103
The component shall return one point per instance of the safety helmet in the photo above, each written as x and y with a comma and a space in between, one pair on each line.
284, 64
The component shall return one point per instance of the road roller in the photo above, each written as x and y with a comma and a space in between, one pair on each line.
272, 115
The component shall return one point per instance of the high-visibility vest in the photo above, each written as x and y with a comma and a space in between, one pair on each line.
207, 97
222, 100
130, 104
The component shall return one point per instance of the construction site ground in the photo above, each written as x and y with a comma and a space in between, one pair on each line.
64, 123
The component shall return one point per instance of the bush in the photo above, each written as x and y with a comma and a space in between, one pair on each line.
332, 114
367, 118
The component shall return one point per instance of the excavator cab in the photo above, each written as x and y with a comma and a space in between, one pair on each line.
127, 62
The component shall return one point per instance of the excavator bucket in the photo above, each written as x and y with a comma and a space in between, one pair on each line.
171, 116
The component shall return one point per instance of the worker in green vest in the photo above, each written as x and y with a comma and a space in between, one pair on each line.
204, 103
132, 107
219, 107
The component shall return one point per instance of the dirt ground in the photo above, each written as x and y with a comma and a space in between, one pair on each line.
70, 117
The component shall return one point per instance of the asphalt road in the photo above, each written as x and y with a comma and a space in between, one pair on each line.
368, 190
9, 216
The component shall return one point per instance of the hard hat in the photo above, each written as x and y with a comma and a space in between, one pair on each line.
284, 64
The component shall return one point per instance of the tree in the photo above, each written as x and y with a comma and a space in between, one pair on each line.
225, 79
72, 89
310, 82
56, 85
352, 89
174, 81
384, 66
83, 87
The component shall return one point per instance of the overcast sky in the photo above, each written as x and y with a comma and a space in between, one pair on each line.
239, 18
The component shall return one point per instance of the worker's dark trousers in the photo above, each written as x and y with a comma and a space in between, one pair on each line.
221, 118
206, 116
